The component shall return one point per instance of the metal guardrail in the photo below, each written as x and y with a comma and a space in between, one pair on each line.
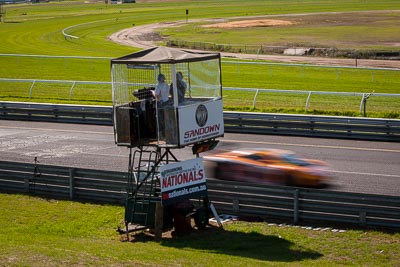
235, 122
317, 126
289, 203
56, 113
63, 182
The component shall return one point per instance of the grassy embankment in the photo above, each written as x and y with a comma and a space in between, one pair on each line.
45, 232
94, 22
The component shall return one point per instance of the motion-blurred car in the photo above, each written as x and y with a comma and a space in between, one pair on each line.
268, 166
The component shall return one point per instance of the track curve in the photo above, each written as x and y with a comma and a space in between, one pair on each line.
145, 36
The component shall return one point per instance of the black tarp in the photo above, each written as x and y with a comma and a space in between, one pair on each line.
164, 55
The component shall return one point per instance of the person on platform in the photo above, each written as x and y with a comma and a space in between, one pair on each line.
181, 87
161, 92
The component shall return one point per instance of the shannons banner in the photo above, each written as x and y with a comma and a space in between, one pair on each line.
182, 180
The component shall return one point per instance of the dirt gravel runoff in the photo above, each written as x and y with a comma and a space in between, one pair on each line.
250, 23
145, 36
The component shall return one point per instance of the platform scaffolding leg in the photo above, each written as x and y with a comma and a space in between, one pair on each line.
127, 231
159, 222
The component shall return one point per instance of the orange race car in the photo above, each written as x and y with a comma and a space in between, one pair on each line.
268, 166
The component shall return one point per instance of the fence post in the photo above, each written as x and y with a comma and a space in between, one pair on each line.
308, 100
26, 185
70, 90
31, 89
236, 205
255, 98
362, 102
363, 218
71, 183
365, 107
296, 206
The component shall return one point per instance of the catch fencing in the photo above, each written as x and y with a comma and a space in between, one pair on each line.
310, 88
288, 203
234, 122
253, 98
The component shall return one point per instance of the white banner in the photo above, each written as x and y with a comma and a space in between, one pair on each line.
182, 180
201, 122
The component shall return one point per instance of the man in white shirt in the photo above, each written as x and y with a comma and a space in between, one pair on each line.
162, 90
162, 97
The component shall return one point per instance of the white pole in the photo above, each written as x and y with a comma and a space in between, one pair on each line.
31, 89
255, 98
70, 90
308, 100
175, 88
362, 102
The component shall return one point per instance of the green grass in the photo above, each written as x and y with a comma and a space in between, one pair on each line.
310, 78
46, 232
251, 75
36, 29
94, 22
91, 22
264, 76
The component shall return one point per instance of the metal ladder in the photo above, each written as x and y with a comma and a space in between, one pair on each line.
143, 190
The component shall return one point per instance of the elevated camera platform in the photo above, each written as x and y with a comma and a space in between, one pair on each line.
163, 99
167, 97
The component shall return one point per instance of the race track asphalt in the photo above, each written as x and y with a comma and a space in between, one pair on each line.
357, 166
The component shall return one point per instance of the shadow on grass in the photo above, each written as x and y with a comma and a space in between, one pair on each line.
250, 245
